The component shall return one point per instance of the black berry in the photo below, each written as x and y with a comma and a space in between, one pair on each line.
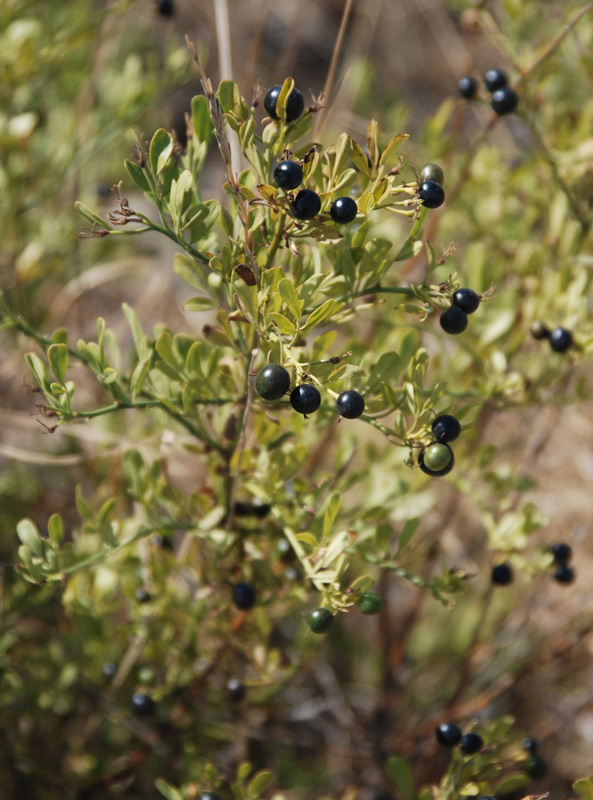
448, 734
369, 603
530, 744
305, 398
272, 382
564, 574
109, 670
295, 103
539, 331
495, 79
432, 172
166, 8
535, 766
446, 428
466, 299
350, 404
343, 210
454, 320
467, 87
235, 690
143, 705
560, 340
501, 574
284, 549
431, 194
486, 797
288, 174
504, 101
436, 456
244, 596
306, 205
209, 796
260, 509
471, 743
320, 620
142, 596
561, 552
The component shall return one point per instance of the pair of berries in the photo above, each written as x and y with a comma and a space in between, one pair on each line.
438, 459
562, 554
449, 735
430, 190
273, 381
535, 764
307, 203
455, 318
504, 99
321, 619
560, 338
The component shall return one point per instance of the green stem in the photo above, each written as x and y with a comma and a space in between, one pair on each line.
276, 239
362, 292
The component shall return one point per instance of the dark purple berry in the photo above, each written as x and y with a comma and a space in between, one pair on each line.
561, 552
564, 574
109, 670
495, 79
272, 382
539, 331
467, 87
433, 458
166, 8
504, 101
288, 175
560, 340
466, 299
453, 320
343, 210
431, 194
142, 596
235, 690
209, 796
350, 404
244, 596
471, 743
295, 103
446, 428
535, 766
530, 744
306, 205
501, 574
143, 705
305, 398
448, 734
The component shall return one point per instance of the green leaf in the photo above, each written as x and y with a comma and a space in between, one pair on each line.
168, 791
202, 124
138, 175
330, 515
387, 156
55, 529
39, 371
190, 272
342, 155
372, 145
287, 88
258, 784
181, 197
285, 326
290, 297
228, 95
361, 161
405, 537
135, 326
29, 536
400, 774
57, 355
90, 215
160, 150
199, 304
584, 788
82, 506
512, 782
317, 316
139, 376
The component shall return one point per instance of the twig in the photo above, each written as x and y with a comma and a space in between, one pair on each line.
334, 63
243, 426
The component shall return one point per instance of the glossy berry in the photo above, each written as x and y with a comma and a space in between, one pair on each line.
284, 549
495, 79
431, 194
504, 101
350, 404
288, 175
564, 574
486, 797
142, 596
320, 620
209, 796
244, 596
453, 320
272, 382
466, 299
295, 103
306, 205
471, 743
343, 210
501, 574
369, 603
539, 331
436, 456
143, 705
166, 8
561, 552
235, 690
535, 766
260, 509
446, 428
467, 87
305, 398
560, 340
432, 172
109, 670
530, 744
448, 734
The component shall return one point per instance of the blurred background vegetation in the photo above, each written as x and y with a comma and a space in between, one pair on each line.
80, 84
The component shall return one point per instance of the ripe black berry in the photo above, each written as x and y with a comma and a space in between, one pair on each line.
564, 574
305, 398
369, 603
142, 596
350, 404
471, 743
495, 79
432, 172
306, 205
431, 194
539, 331
109, 670
436, 456
454, 320
446, 428
504, 101
448, 734
288, 175
486, 797
235, 690
295, 103
244, 596
143, 705
467, 87
530, 744
535, 766
466, 299
343, 210
209, 796
561, 552
501, 574
166, 8
272, 382
320, 620
560, 340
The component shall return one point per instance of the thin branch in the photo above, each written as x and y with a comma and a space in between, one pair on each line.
334, 63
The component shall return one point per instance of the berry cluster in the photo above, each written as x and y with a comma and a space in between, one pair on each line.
430, 189
438, 459
321, 619
535, 766
449, 735
504, 99
455, 318
273, 381
562, 553
560, 339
